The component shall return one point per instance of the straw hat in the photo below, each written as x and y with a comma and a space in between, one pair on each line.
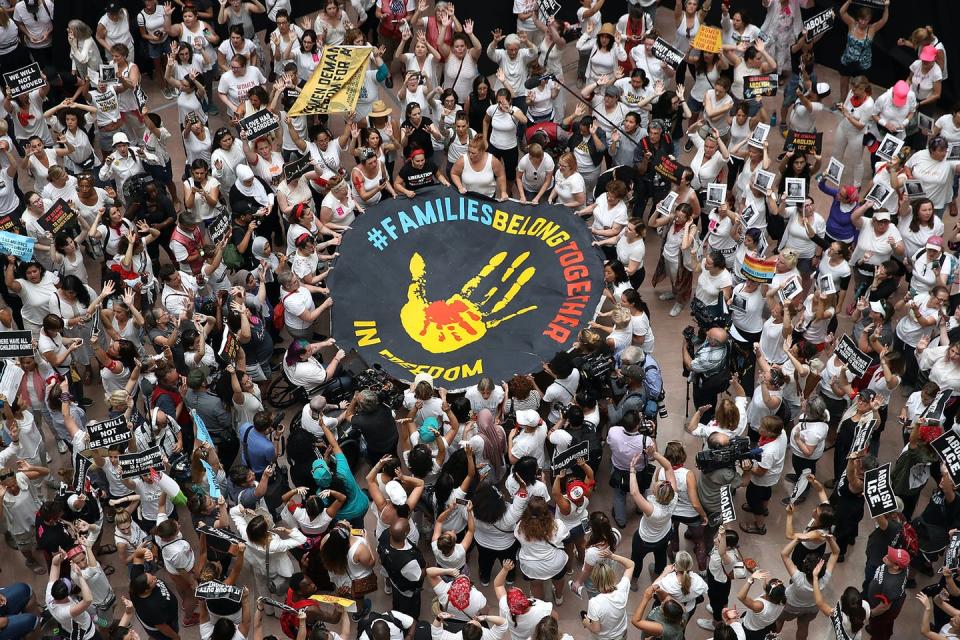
608, 29
380, 109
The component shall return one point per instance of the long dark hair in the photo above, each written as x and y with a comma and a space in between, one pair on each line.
75, 285
634, 299
601, 531
851, 603
488, 505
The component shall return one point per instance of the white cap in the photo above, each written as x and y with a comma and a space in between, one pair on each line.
120, 137
476, 443
423, 377
395, 493
74, 502
528, 418
880, 216
877, 307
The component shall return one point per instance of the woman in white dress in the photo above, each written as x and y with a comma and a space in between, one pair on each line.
542, 556
35, 289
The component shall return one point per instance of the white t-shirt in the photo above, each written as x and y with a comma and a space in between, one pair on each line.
796, 236
534, 176
294, 304
628, 252
531, 444
922, 83
710, 287
610, 610
655, 526
236, 87
908, 329
670, 583
812, 434
949, 130
567, 188
605, 217
542, 559
803, 119
935, 176
747, 309
522, 628
477, 600
774, 454
503, 128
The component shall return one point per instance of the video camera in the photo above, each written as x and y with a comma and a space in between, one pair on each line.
376, 379
597, 370
737, 451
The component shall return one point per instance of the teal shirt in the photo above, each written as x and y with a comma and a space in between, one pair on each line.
357, 501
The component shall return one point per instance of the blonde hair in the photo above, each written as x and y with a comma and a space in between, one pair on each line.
682, 564
55, 173
603, 577
664, 493
535, 150
122, 517
621, 317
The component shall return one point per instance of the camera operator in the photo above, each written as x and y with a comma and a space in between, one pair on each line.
563, 389
709, 369
652, 380
375, 422
634, 399
713, 481
760, 477
575, 427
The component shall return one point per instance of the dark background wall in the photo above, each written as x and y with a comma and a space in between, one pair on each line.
889, 61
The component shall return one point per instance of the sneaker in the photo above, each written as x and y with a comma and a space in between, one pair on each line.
484, 584
86, 403
575, 591
675, 311
61, 446
791, 477
558, 599
362, 611
666, 296
705, 623
688, 145
709, 608
387, 587
169, 93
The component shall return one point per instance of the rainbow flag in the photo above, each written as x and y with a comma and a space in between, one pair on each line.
758, 269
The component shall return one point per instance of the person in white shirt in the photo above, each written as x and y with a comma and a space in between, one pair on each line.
606, 617
926, 78
609, 212
528, 438
656, 524
763, 612
765, 473
803, 112
534, 174
937, 174
524, 612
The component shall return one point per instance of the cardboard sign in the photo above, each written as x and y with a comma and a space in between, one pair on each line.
569, 456
820, 23
108, 74
212, 487
298, 167
670, 169
548, 9
947, 447
107, 433
708, 39
790, 290
759, 135
10, 381
889, 147
879, 193
861, 435
214, 590
666, 205
223, 534
219, 227
716, 193
796, 192
951, 559
259, 124
728, 513
834, 171
58, 217
953, 151
346, 603
803, 142
229, 347
763, 180
24, 80
662, 50
81, 466
803, 481
14, 344
848, 352
933, 414
138, 463
826, 284
760, 85
878, 491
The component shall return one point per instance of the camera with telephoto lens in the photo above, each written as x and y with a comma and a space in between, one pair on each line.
692, 342
376, 379
729, 456
597, 370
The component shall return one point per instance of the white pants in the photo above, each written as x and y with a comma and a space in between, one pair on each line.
847, 135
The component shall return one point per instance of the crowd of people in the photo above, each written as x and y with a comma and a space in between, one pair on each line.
214, 508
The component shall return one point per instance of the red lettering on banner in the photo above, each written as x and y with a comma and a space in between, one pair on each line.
571, 311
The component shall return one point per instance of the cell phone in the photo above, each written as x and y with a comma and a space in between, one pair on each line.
583, 614
463, 502
357, 532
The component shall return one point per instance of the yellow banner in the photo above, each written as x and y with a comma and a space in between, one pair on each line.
335, 84
708, 39
346, 603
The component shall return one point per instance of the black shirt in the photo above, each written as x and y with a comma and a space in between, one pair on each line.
414, 179
378, 428
880, 539
419, 137
887, 584
160, 607
53, 537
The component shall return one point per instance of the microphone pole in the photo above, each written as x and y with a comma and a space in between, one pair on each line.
530, 84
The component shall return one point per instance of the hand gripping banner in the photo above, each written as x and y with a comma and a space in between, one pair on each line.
461, 286
336, 83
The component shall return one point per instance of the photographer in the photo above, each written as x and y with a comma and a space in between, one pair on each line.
375, 422
634, 399
628, 438
711, 372
652, 380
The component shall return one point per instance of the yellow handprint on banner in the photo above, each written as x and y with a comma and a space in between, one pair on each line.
443, 326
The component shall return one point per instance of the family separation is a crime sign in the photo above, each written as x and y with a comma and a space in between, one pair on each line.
462, 286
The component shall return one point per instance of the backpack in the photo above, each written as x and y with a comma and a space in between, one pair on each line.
363, 626
586, 432
278, 319
232, 257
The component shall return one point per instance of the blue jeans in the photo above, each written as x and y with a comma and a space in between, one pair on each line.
790, 94
19, 624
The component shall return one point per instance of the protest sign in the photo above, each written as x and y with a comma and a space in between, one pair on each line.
223, 534
670, 169
108, 433
214, 590
951, 559
219, 227
803, 481
259, 124
297, 167
790, 289
24, 80
889, 147
947, 447
569, 456
820, 23
10, 381
212, 486
336, 83
879, 194
58, 217
861, 434
728, 513
662, 50
708, 39
834, 171
796, 191
229, 347
81, 466
848, 352
933, 414
878, 490
764, 84
140, 462
803, 142
14, 344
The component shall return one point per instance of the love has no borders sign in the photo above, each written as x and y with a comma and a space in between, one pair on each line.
462, 286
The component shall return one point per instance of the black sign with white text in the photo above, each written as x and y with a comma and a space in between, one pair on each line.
259, 124
857, 361
951, 560
878, 491
108, 432
820, 23
14, 344
81, 466
297, 167
219, 227
214, 590
933, 414
223, 534
728, 513
662, 50
24, 80
140, 462
568, 457
947, 447
862, 435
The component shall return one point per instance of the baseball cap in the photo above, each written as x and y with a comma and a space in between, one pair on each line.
528, 418
900, 92
881, 216
426, 429
576, 490
395, 493
928, 53
877, 307
823, 89
423, 377
899, 557
248, 498
613, 91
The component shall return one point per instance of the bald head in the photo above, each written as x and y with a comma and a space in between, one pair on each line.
717, 335
399, 530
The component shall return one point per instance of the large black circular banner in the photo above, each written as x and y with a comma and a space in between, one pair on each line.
461, 287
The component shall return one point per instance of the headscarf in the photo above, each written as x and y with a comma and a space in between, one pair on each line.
494, 445
273, 262
517, 602
256, 190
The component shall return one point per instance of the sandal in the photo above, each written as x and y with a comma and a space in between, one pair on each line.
106, 549
754, 529
109, 570
192, 621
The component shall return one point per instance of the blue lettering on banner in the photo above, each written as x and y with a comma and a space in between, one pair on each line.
14, 244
